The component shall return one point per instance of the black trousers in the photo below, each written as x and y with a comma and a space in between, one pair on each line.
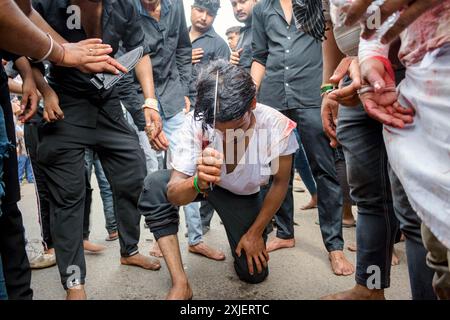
61, 151
16, 268
31, 142
321, 158
237, 212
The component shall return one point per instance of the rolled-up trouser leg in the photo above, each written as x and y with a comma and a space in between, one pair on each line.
238, 213
160, 215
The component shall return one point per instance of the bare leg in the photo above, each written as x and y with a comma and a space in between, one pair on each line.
155, 251
170, 248
348, 220
76, 293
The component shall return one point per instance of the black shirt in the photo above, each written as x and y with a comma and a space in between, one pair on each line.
171, 54
121, 23
245, 43
293, 59
214, 48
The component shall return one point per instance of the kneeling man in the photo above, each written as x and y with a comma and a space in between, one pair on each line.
229, 147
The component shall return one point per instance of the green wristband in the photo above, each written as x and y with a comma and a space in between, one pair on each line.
327, 88
196, 185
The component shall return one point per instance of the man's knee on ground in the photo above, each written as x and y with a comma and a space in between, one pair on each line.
244, 274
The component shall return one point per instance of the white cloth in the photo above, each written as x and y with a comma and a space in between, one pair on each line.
420, 153
273, 137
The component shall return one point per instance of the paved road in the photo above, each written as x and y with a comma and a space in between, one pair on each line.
302, 272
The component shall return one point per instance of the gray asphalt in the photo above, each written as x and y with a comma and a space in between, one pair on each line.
300, 273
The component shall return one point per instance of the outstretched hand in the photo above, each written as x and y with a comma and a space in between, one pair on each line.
382, 104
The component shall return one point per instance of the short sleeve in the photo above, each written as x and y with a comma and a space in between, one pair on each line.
189, 148
291, 146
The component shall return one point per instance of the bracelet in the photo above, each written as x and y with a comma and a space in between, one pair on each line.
151, 103
327, 88
145, 106
52, 43
368, 88
195, 183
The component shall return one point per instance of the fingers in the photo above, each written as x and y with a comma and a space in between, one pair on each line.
160, 143
91, 41
341, 70
208, 178
356, 11
99, 49
32, 109
250, 265
210, 170
406, 18
197, 55
117, 65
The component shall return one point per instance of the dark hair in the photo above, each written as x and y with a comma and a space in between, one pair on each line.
235, 29
212, 6
236, 91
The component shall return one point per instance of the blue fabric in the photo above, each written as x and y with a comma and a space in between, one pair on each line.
301, 164
92, 160
3, 293
25, 169
5, 147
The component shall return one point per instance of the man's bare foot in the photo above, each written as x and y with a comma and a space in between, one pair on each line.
180, 292
277, 243
359, 292
352, 247
207, 251
92, 247
348, 220
155, 251
139, 260
339, 263
349, 223
76, 293
395, 258
311, 204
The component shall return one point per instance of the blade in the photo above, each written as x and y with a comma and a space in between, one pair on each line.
211, 186
215, 104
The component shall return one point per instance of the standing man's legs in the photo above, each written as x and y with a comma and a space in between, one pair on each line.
420, 274
322, 162
124, 165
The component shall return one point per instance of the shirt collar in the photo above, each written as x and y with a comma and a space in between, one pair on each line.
210, 33
166, 5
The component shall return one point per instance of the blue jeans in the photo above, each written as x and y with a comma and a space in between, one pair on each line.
367, 166
420, 274
3, 293
301, 164
5, 148
25, 168
91, 160
192, 210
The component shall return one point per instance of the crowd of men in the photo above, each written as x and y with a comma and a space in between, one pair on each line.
211, 126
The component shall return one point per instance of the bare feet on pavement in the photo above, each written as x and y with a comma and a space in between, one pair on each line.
339, 264
76, 293
395, 258
207, 251
155, 251
180, 292
359, 292
311, 204
93, 247
141, 261
277, 243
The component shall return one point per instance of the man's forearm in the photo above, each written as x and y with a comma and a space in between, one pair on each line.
41, 84
37, 19
258, 70
275, 197
180, 191
24, 68
20, 36
14, 86
332, 56
144, 74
